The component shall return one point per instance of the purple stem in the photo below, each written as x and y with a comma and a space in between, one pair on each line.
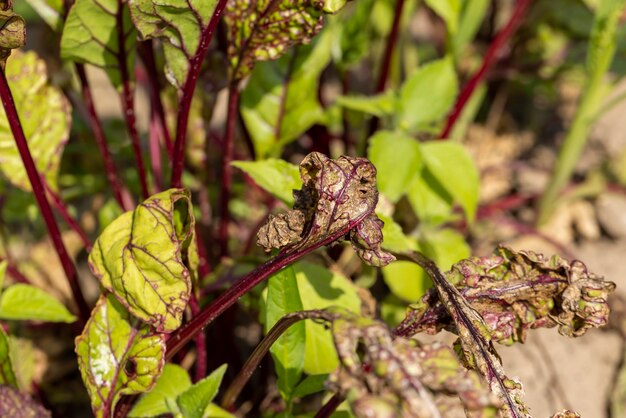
329, 407
392, 40
58, 203
493, 54
227, 180
184, 105
155, 150
121, 195
40, 196
200, 339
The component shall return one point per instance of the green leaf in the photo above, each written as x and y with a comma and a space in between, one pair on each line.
472, 16
276, 176
180, 24
393, 237
140, 258
429, 199
427, 95
3, 271
92, 35
353, 32
398, 160
310, 385
406, 280
455, 170
196, 399
380, 105
214, 411
320, 288
49, 11
7, 375
446, 246
117, 355
280, 100
25, 302
172, 382
288, 351
45, 115
449, 11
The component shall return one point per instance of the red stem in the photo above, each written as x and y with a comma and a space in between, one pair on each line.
200, 340
155, 150
40, 196
329, 407
184, 105
121, 195
228, 149
14, 272
62, 209
387, 55
493, 54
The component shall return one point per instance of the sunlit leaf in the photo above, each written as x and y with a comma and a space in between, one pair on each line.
142, 258
117, 355
25, 302
380, 105
276, 176
172, 382
50, 12
449, 11
196, 399
45, 116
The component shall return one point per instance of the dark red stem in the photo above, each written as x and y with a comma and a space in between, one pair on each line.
200, 340
228, 149
155, 150
40, 196
184, 105
493, 54
121, 196
59, 204
329, 407
392, 40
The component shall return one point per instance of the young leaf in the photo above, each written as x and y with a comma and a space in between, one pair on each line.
101, 33
12, 33
172, 382
394, 174
288, 351
280, 100
427, 95
195, 400
117, 355
380, 105
144, 258
276, 176
29, 303
309, 385
180, 23
263, 30
14, 403
7, 374
454, 169
46, 119
429, 199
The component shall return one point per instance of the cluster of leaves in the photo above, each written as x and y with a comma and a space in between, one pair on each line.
156, 263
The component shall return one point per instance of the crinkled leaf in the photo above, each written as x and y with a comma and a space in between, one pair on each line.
100, 32
180, 23
280, 100
45, 115
193, 401
384, 376
172, 382
263, 30
7, 374
427, 95
394, 174
117, 355
14, 403
25, 302
455, 170
380, 105
283, 297
320, 288
12, 33
337, 196
276, 176
144, 258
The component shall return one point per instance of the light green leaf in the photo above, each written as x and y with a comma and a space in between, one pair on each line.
380, 105
139, 258
472, 16
455, 170
352, 30
117, 355
7, 375
429, 199
49, 11
406, 280
445, 246
449, 11
180, 23
280, 101
394, 173
193, 401
214, 411
288, 351
45, 115
276, 176
93, 35
393, 237
25, 302
173, 381
320, 288
310, 385
427, 95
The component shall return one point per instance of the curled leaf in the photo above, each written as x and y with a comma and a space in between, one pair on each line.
337, 195
12, 33
146, 258
117, 355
